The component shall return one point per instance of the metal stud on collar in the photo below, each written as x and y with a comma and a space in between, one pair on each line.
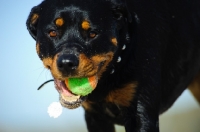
113, 70
119, 59
124, 47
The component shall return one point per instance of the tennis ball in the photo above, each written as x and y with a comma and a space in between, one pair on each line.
81, 86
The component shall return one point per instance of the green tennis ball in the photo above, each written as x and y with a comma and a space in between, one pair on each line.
81, 86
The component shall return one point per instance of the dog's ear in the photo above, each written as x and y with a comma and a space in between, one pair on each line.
120, 10
32, 21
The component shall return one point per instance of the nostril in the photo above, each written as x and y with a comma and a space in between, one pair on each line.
67, 62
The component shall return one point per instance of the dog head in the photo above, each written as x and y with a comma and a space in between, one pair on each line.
78, 39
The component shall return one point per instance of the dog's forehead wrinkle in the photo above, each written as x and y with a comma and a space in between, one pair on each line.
78, 14
70, 48
72, 11
72, 33
75, 16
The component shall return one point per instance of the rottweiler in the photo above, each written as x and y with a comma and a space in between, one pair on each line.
143, 55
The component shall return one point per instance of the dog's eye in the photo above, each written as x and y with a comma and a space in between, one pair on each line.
92, 34
52, 33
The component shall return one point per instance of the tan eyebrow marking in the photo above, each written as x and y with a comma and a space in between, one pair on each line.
85, 25
59, 22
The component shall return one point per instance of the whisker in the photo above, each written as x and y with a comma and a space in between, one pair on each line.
43, 70
36, 69
47, 74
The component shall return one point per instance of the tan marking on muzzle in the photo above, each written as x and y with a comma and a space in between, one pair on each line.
102, 58
47, 62
51, 63
91, 66
87, 67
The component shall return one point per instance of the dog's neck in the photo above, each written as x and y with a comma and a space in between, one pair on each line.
123, 49
118, 58
124, 43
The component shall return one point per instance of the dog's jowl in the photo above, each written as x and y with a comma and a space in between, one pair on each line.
129, 60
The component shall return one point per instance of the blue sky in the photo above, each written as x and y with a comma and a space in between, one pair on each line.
22, 107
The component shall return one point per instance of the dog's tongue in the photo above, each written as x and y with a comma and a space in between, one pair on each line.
61, 87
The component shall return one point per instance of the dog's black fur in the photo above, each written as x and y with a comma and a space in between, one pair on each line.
158, 42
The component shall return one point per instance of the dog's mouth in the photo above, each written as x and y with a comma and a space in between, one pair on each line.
73, 91
78, 84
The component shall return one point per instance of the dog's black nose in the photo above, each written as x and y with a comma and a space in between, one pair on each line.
67, 62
